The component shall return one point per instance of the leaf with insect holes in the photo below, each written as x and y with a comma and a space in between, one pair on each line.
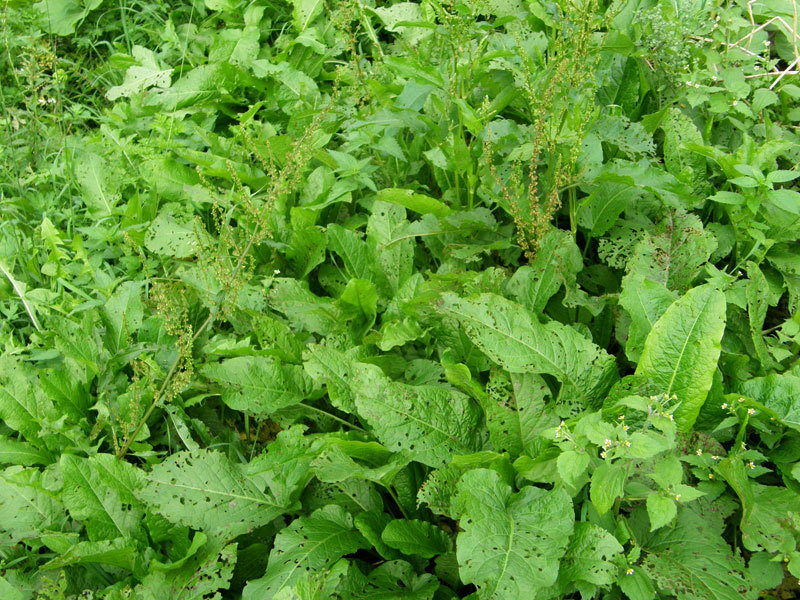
515, 339
312, 543
204, 490
510, 543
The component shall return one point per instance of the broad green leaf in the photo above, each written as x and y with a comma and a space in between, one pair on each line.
304, 310
21, 407
206, 491
99, 187
608, 484
788, 200
60, 17
393, 258
589, 558
167, 237
661, 510
779, 393
419, 203
430, 423
680, 353
517, 412
333, 368
202, 577
404, 12
14, 452
89, 499
27, 509
600, 210
692, 561
513, 338
672, 252
354, 252
758, 297
259, 385
138, 78
510, 544
645, 300
415, 537
123, 314
311, 543
557, 263
572, 467
371, 525
121, 552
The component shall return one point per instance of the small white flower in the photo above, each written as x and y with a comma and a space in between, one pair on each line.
671, 417
724, 406
42, 101
625, 428
603, 454
751, 464
51, 100
689, 83
699, 452
629, 572
735, 102
715, 457
607, 443
740, 400
276, 272
621, 417
751, 411
711, 476
627, 444
756, 68
677, 496
696, 85
744, 446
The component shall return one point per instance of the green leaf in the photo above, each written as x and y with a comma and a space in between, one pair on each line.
123, 314
680, 353
430, 423
415, 537
62, 16
590, 556
601, 209
514, 339
572, 467
95, 177
21, 408
89, 499
517, 412
259, 385
692, 561
510, 544
167, 237
311, 543
732, 198
608, 484
305, 11
206, 491
787, 200
419, 203
22, 453
661, 510
138, 78
777, 392
200, 578
645, 300
557, 263
27, 509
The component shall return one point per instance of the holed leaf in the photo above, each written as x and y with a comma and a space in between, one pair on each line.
513, 338
510, 544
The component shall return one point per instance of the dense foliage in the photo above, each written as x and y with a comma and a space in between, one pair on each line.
355, 299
